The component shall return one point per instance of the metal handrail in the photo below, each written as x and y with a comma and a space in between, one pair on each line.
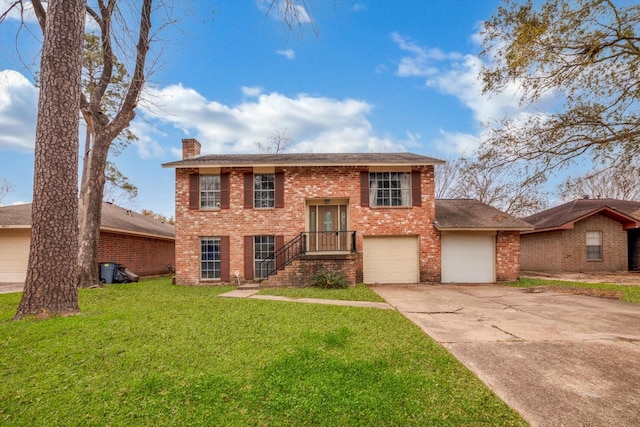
282, 257
331, 241
306, 241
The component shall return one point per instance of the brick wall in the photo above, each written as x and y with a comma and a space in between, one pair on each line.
507, 255
190, 148
300, 184
614, 246
301, 270
144, 256
565, 250
541, 251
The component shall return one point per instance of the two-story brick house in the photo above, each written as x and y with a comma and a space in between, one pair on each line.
371, 216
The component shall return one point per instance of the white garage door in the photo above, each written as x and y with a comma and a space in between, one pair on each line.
391, 260
468, 258
14, 254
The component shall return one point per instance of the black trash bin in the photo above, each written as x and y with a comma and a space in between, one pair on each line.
107, 269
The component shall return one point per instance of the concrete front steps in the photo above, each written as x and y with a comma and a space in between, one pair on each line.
300, 271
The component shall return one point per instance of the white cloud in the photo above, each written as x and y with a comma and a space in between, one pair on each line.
421, 62
18, 111
301, 14
22, 11
285, 10
358, 7
457, 142
147, 144
381, 69
251, 92
288, 53
458, 75
461, 79
315, 124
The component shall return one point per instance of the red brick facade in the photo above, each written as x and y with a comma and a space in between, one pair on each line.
145, 256
507, 255
190, 148
233, 223
301, 184
565, 250
301, 270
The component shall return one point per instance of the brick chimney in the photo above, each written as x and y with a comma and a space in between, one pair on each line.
190, 148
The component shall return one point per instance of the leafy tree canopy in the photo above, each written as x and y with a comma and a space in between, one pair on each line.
575, 65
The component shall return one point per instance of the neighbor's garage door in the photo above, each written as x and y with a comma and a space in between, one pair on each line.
14, 254
391, 260
468, 258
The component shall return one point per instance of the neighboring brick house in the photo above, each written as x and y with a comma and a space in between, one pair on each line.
371, 216
583, 235
142, 244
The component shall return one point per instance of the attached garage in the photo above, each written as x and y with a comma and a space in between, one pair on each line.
14, 254
391, 259
479, 243
468, 257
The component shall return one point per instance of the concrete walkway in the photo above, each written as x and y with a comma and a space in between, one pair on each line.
557, 359
252, 293
9, 288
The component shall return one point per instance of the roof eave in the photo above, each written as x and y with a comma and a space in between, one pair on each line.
441, 228
136, 233
628, 222
566, 226
180, 165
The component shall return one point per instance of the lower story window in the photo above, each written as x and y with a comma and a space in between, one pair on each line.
263, 251
210, 258
594, 245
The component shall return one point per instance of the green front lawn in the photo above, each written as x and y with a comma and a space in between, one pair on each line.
156, 354
628, 293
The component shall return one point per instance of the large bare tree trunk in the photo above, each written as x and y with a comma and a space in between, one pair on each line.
50, 287
104, 132
91, 214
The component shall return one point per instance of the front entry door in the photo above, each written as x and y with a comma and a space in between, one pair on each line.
328, 228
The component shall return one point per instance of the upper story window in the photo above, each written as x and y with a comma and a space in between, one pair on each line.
594, 245
389, 189
209, 191
264, 190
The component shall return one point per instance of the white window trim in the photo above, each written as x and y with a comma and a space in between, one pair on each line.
270, 200
405, 190
215, 194
217, 262
591, 237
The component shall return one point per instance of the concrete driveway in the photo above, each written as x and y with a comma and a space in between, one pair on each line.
7, 288
557, 359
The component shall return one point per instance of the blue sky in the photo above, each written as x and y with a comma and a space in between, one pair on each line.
379, 76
